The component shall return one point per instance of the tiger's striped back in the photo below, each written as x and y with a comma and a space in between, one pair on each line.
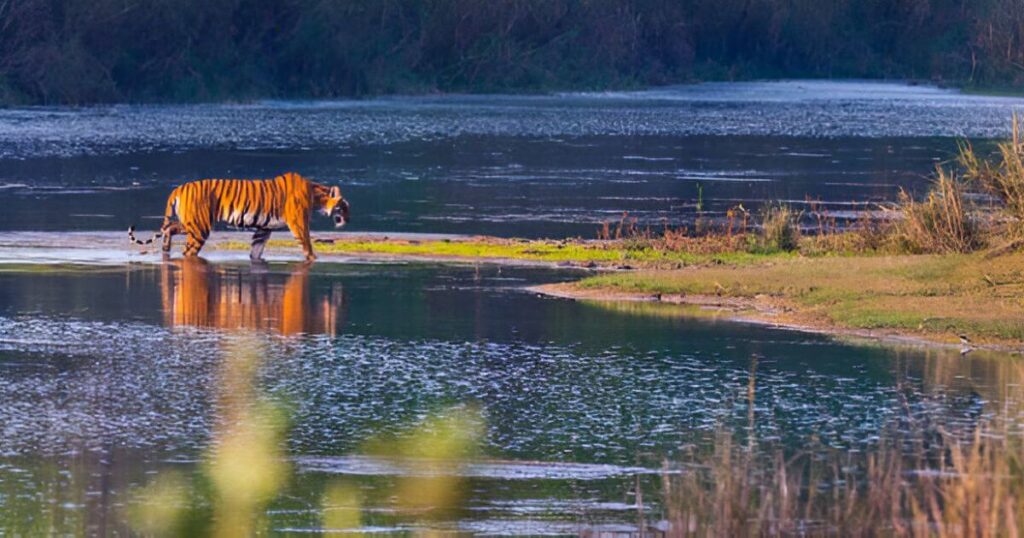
245, 203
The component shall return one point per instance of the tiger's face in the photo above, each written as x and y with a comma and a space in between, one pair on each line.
336, 207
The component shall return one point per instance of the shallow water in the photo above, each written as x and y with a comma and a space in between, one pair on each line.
110, 373
507, 165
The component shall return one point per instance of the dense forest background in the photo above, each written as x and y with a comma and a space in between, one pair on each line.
84, 51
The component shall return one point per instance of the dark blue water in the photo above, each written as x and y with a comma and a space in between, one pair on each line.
550, 166
126, 365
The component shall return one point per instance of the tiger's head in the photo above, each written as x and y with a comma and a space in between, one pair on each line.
333, 204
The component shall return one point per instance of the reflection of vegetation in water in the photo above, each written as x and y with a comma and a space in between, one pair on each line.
246, 467
660, 310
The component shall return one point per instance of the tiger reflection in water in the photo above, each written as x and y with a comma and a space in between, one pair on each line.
197, 293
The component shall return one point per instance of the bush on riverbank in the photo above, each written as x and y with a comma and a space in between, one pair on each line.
780, 230
1002, 179
946, 220
939, 223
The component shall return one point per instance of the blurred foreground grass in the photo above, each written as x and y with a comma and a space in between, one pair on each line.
247, 467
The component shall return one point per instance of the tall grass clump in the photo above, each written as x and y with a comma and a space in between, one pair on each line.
780, 230
1003, 178
919, 479
970, 486
941, 222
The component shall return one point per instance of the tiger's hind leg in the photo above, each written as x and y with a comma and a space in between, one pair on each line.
170, 231
259, 242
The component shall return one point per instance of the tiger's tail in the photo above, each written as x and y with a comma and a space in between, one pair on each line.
137, 241
168, 213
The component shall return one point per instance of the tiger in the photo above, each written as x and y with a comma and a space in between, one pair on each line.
262, 205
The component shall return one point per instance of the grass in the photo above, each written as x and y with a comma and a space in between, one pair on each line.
940, 222
1001, 177
937, 296
962, 485
605, 253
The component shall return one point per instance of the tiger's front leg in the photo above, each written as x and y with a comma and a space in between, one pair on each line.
302, 234
259, 242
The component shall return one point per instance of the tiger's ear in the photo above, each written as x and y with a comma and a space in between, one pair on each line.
335, 192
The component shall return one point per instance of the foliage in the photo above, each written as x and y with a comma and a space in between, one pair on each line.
78, 51
246, 467
939, 223
957, 484
1003, 179
780, 230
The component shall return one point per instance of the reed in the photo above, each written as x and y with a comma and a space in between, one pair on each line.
1001, 177
780, 229
963, 485
941, 222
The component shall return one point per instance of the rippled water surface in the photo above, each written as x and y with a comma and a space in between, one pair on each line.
507, 165
116, 369
112, 373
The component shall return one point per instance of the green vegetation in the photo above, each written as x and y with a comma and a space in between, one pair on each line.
919, 272
75, 51
593, 253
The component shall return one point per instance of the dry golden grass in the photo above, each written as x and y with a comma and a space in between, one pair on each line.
971, 487
966, 482
1003, 178
941, 222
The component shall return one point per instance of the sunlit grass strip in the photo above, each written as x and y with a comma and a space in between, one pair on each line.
600, 252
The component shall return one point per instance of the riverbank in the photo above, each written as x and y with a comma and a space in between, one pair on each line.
934, 298
919, 298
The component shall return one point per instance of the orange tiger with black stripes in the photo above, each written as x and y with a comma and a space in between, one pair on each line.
263, 205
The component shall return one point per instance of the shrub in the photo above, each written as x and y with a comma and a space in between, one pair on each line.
940, 222
1004, 179
780, 229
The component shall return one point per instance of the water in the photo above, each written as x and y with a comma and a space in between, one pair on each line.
111, 373
557, 165
115, 369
